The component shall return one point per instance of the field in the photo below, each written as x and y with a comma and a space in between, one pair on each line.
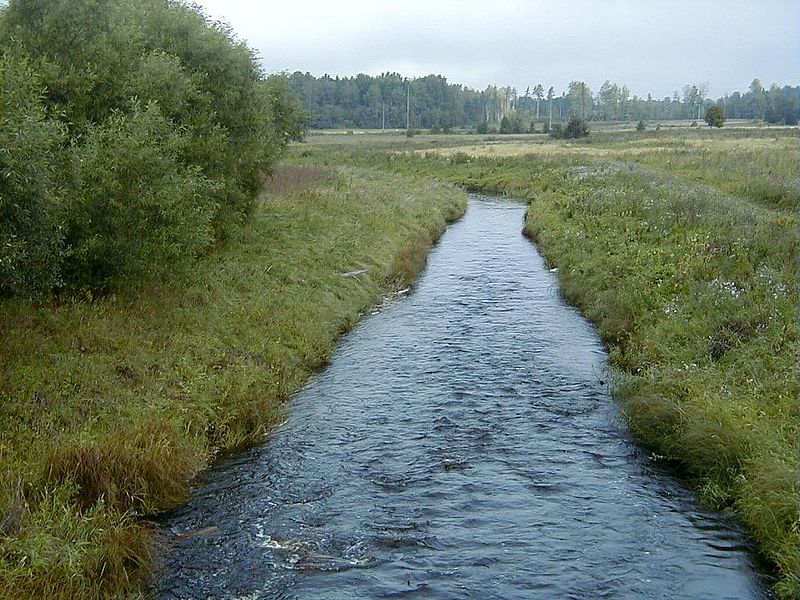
682, 247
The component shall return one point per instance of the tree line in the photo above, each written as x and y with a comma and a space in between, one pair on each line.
392, 101
133, 135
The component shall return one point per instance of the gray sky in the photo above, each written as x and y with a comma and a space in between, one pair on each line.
650, 45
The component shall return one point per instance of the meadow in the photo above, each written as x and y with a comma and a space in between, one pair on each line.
682, 247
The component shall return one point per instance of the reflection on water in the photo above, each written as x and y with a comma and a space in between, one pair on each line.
462, 444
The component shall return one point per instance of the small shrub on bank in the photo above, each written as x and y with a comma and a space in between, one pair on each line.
557, 131
715, 116
576, 128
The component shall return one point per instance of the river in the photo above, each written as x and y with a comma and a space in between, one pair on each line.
463, 443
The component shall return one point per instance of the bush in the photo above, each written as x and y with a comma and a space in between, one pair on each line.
715, 116
212, 123
482, 128
576, 128
135, 209
640, 126
30, 232
513, 123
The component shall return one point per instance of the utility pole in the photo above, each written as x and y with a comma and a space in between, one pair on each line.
408, 106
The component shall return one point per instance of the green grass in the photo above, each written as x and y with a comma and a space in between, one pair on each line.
682, 248
109, 406
695, 291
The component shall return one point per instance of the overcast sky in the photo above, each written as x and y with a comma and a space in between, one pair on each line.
650, 45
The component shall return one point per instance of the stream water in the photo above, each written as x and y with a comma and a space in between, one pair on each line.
463, 443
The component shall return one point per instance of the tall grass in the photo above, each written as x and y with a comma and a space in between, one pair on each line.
109, 406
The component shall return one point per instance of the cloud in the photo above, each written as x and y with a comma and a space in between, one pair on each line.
651, 46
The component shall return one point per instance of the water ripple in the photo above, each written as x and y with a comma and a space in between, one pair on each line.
462, 444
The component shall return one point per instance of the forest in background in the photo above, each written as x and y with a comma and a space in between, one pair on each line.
392, 101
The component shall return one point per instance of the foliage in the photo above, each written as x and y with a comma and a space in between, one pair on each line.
513, 122
641, 126
135, 209
372, 102
30, 232
715, 116
217, 126
557, 131
575, 129
580, 98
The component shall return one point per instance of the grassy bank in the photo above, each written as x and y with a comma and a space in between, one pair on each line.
108, 406
695, 291
683, 249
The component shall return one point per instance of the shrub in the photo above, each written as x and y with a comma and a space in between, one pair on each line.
715, 116
30, 232
215, 124
576, 128
640, 126
135, 209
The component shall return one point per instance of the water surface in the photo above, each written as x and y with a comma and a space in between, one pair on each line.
462, 444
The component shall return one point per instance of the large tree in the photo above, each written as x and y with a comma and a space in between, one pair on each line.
538, 93
580, 98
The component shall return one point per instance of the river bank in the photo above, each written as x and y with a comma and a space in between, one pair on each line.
109, 406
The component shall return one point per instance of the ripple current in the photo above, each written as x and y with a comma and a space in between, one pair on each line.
462, 443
